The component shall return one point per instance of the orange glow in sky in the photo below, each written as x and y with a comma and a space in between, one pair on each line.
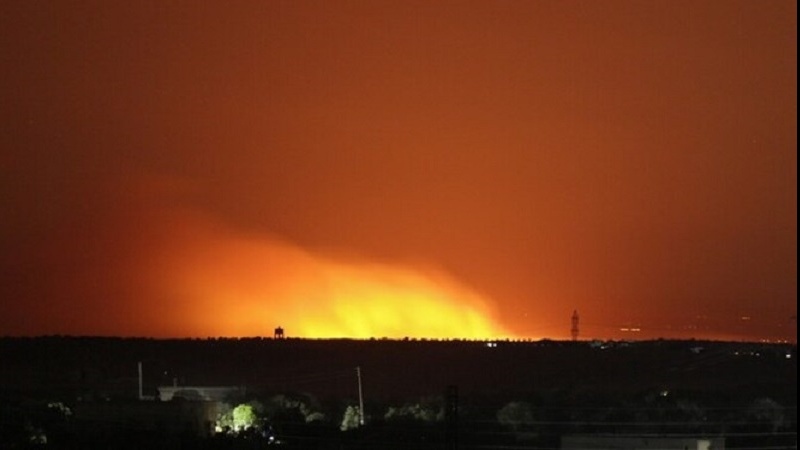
399, 168
245, 286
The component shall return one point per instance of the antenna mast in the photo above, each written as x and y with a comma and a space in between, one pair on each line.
574, 330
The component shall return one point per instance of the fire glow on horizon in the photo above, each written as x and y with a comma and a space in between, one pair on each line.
226, 285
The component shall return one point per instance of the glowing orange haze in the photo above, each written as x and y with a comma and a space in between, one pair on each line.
220, 284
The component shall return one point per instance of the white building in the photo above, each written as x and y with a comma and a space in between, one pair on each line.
203, 393
624, 442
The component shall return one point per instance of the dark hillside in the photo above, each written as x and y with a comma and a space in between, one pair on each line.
397, 368
509, 393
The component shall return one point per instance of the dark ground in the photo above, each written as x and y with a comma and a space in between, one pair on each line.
744, 391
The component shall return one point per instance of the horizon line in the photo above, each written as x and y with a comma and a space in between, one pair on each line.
398, 339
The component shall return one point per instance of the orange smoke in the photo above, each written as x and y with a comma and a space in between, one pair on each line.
217, 283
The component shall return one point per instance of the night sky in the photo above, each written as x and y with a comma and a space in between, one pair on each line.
399, 168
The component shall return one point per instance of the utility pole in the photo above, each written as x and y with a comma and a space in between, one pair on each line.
451, 418
360, 398
141, 390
